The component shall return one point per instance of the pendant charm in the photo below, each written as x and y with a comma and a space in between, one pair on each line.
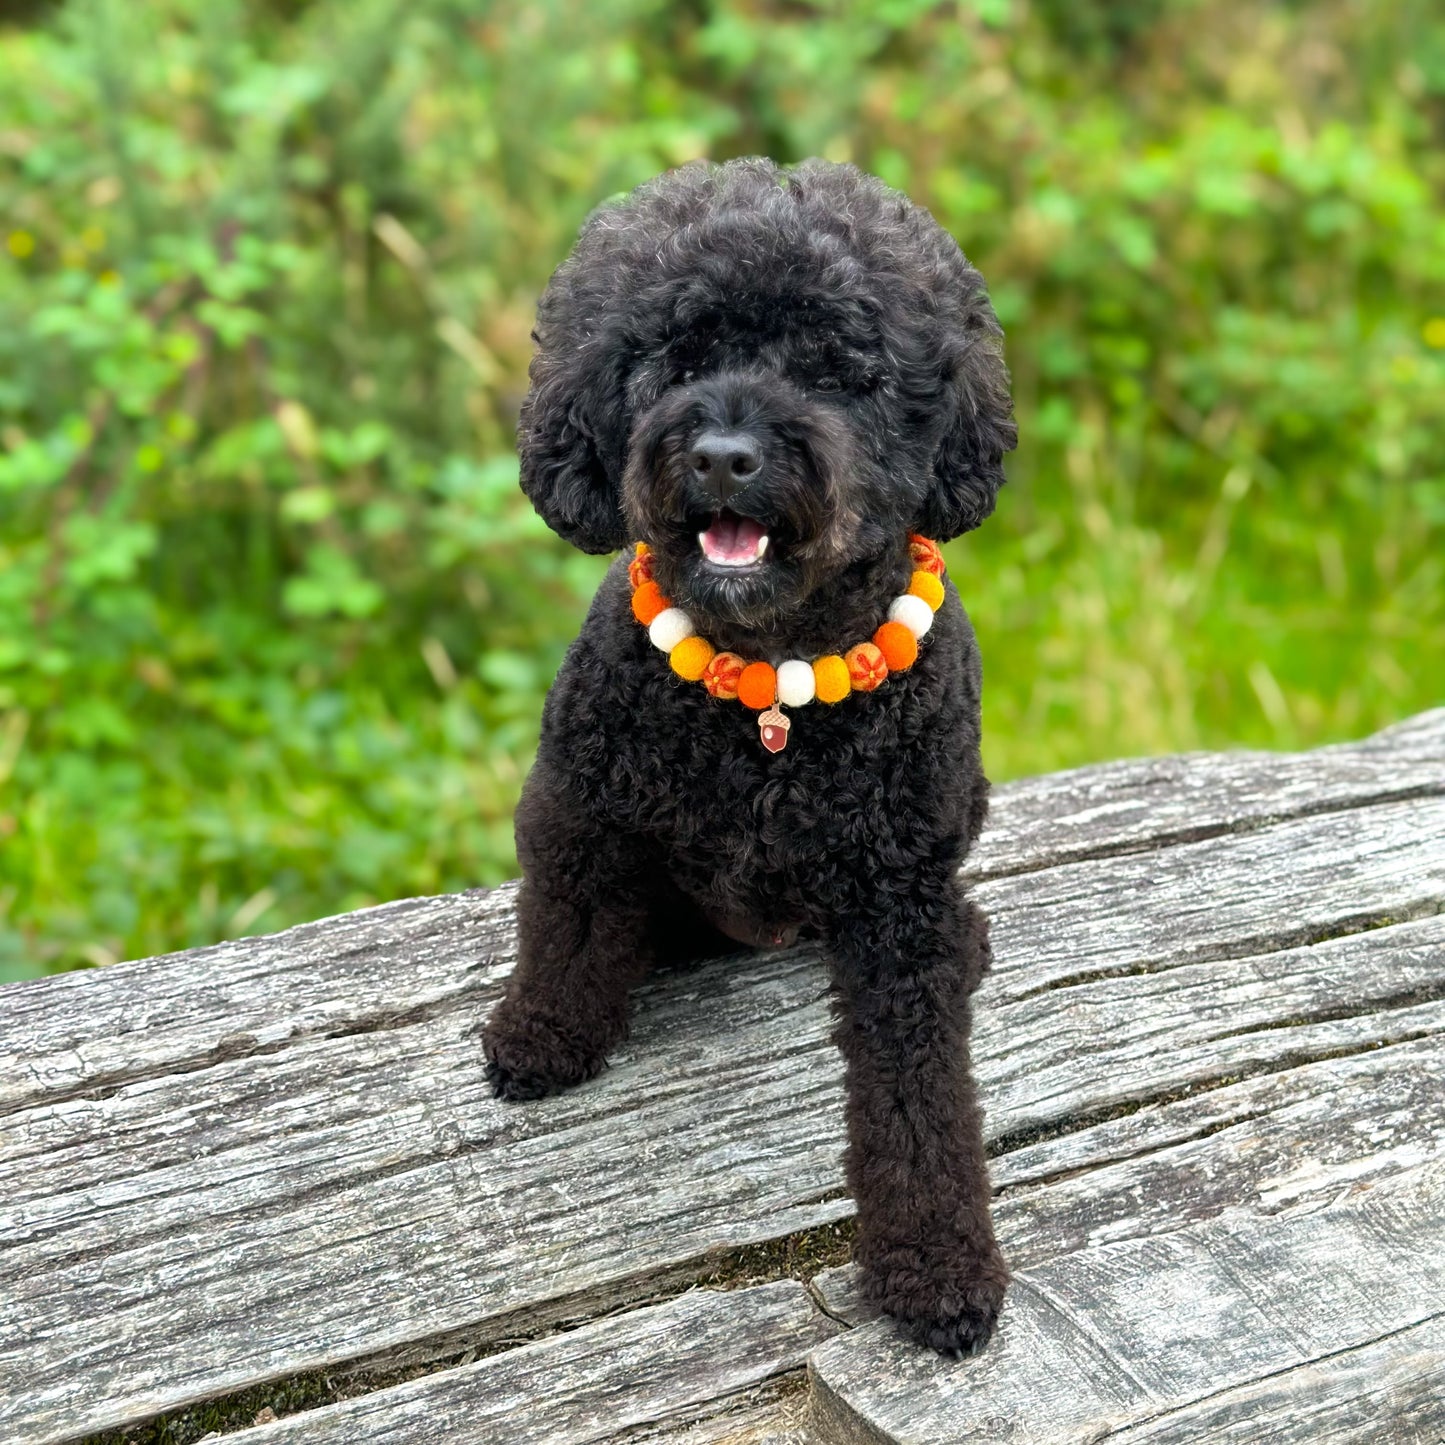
774, 729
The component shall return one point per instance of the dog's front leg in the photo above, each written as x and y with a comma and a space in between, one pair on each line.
582, 922
905, 962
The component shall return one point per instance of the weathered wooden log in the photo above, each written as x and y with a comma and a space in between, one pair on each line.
606, 1380
1173, 1336
1212, 1053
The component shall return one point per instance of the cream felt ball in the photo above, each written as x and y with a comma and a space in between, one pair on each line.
795, 683
669, 627
913, 612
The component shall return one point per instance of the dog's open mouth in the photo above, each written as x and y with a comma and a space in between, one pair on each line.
733, 541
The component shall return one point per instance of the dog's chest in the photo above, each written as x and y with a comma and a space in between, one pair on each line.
769, 837
748, 832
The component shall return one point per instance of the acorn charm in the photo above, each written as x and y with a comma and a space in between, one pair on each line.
773, 727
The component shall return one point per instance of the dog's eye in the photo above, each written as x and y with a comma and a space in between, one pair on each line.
683, 375
827, 383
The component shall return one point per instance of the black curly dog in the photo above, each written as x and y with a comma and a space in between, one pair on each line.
807, 349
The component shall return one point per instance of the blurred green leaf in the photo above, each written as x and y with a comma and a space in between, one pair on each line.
331, 584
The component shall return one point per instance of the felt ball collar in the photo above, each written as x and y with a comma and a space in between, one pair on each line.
766, 689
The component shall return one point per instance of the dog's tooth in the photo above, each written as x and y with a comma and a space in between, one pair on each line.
702, 540
762, 547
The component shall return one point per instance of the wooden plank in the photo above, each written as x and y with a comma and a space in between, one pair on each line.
768, 1415
152, 1130
275, 1184
599, 1383
1116, 1335
90, 1031
364, 1193
95, 1030
1390, 1389
1062, 1054
1139, 1036
1141, 803
1276, 887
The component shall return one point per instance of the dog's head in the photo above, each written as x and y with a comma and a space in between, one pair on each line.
768, 375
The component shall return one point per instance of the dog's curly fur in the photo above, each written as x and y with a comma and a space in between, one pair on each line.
842, 329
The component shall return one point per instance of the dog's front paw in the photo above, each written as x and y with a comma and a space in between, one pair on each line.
530, 1057
948, 1305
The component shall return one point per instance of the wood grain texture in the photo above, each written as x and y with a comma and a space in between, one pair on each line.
1227, 897
278, 1180
1387, 1390
235, 1165
769, 1414
1058, 1055
88, 1032
1146, 803
353, 1229
362, 1193
1129, 1340
599, 1383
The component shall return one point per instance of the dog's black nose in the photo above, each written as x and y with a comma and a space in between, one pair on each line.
725, 462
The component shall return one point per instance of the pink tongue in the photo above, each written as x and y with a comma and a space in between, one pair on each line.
732, 538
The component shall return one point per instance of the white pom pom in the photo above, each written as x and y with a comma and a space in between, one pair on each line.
669, 627
913, 612
795, 683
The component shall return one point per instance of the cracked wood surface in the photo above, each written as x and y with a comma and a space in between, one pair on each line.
606, 1381
1184, 1335
251, 1161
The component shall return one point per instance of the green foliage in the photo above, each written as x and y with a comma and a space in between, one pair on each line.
275, 623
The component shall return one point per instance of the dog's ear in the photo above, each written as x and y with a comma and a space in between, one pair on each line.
968, 465
570, 467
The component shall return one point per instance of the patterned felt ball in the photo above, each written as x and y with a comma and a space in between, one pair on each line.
795, 683
898, 646
720, 676
690, 657
925, 554
913, 612
639, 570
647, 602
668, 628
830, 678
927, 586
758, 686
867, 666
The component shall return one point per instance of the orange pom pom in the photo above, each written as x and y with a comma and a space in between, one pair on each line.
898, 646
830, 679
647, 602
927, 586
925, 554
691, 656
720, 676
758, 686
867, 666
639, 570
